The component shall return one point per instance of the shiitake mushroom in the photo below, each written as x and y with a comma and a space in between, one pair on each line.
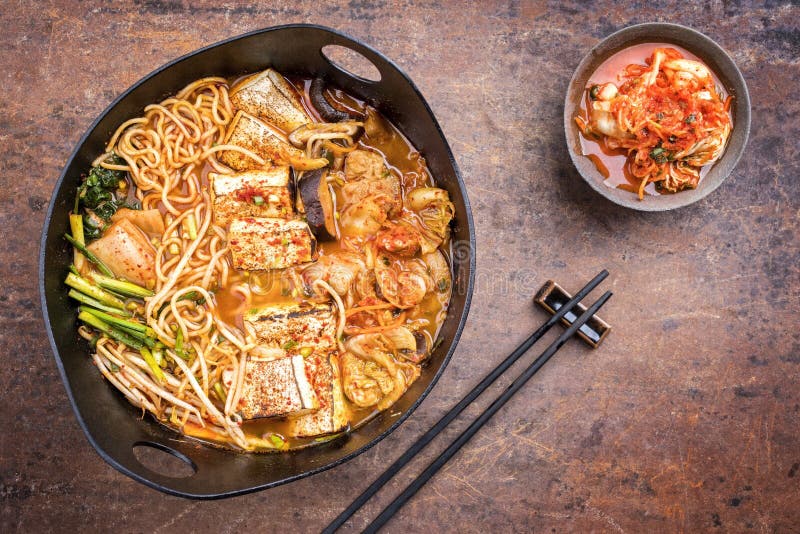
329, 113
318, 203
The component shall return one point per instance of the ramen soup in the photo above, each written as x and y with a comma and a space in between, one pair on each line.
260, 263
654, 119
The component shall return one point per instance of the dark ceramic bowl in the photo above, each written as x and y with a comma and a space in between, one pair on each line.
117, 429
720, 64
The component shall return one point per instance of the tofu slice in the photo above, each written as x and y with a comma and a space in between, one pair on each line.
332, 415
255, 135
256, 193
269, 96
293, 326
126, 251
274, 388
260, 243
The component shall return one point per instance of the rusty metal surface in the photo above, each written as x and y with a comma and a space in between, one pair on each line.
686, 419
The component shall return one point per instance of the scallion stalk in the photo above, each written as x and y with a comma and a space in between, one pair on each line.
191, 226
76, 227
179, 345
89, 256
116, 321
89, 301
86, 287
219, 389
147, 341
152, 364
158, 356
95, 322
128, 289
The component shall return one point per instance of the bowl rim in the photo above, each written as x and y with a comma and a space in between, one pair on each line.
467, 221
702, 46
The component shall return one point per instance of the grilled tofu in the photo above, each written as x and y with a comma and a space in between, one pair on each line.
294, 326
260, 138
256, 193
269, 96
260, 243
332, 415
274, 388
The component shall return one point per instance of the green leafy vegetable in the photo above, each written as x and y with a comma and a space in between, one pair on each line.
98, 196
660, 155
91, 228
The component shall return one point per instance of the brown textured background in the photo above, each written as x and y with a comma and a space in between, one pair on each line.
687, 419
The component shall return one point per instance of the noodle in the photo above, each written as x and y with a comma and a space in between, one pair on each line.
164, 150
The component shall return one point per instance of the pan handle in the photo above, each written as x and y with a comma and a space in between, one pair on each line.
163, 459
360, 68
392, 84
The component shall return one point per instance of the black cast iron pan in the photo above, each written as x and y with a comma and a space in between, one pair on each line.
113, 426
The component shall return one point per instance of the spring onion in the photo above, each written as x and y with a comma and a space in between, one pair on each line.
89, 301
88, 254
119, 335
158, 356
76, 227
128, 289
87, 288
191, 226
115, 321
151, 362
193, 295
149, 342
219, 389
179, 345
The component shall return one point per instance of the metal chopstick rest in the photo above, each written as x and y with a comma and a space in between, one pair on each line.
552, 297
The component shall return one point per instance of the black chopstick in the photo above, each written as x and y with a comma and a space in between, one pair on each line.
447, 418
476, 425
